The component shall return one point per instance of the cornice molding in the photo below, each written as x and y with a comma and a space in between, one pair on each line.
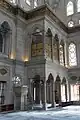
40, 11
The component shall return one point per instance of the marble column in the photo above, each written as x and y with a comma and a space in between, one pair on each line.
44, 99
40, 94
69, 92
24, 91
66, 92
59, 93
53, 95
79, 94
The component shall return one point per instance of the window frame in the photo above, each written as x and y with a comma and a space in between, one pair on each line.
78, 6
13, 2
35, 3
28, 2
73, 65
61, 55
70, 11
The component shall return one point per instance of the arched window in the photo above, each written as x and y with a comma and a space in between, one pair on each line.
78, 5
61, 53
37, 43
72, 55
28, 2
70, 8
70, 24
35, 3
56, 48
4, 38
13, 1
48, 44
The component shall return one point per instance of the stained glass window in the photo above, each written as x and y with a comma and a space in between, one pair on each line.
61, 54
70, 8
37, 44
72, 55
13, 1
35, 3
56, 48
78, 5
28, 2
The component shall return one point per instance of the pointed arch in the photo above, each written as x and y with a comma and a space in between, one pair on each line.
35, 3
5, 27
37, 43
64, 90
13, 2
78, 5
48, 45
50, 78
58, 89
5, 32
56, 47
70, 8
64, 80
58, 78
28, 2
61, 53
72, 54
49, 88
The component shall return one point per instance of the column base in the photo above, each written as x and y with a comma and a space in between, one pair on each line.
44, 106
53, 104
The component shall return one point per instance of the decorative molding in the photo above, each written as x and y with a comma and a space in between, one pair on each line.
40, 11
3, 71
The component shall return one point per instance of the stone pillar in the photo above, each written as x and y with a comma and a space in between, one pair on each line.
44, 99
24, 91
79, 94
59, 93
66, 92
53, 95
40, 95
17, 97
69, 92
14, 101
66, 54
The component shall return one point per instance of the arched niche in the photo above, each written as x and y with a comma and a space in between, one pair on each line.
37, 43
48, 43
49, 88
56, 48
50, 79
61, 53
64, 90
37, 89
6, 35
58, 90
72, 55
